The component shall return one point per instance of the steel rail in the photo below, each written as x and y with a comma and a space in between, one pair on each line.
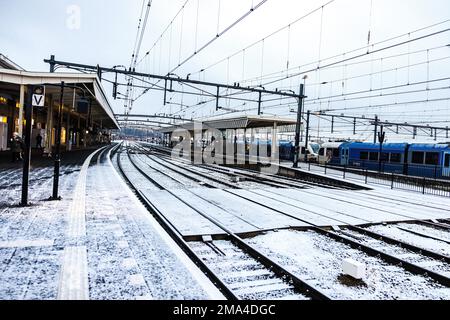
411, 267
177, 237
301, 285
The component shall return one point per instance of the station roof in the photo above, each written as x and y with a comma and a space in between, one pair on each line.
101, 108
245, 122
6, 63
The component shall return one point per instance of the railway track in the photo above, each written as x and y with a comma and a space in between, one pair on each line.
265, 278
256, 273
432, 224
224, 175
227, 173
243, 174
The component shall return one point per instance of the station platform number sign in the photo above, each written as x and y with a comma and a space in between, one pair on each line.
38, 99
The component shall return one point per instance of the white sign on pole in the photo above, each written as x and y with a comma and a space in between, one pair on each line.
38, 99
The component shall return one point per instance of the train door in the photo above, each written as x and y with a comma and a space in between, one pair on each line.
345, 151
446, 168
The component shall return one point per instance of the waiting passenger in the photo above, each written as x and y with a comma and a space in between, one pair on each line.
16, 147
39, 141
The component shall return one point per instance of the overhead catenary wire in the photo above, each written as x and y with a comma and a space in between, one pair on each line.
360, 56
379, 50
321, 66
164, 31
228, 28
208, 43
266, 37
344, 54
141, 31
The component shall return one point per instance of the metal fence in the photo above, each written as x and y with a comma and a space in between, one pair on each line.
436, 186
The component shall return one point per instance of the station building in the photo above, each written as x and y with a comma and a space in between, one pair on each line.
87, 116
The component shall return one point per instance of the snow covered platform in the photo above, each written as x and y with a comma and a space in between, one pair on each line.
98, 243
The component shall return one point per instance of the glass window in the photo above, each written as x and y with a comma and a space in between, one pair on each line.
384, 156
432, 158
396, 157
373, 156
322, 152
447, 160
364, 155
336, 153
418, 157
315, 147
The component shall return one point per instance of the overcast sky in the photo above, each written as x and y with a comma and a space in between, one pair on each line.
33, 30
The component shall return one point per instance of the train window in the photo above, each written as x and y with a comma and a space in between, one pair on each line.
364, 155
432, 158
447, 160
418, 157
384, 156
373, 156
322, 152
336, 153
396, 157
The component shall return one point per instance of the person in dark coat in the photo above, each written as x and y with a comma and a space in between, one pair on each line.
16, 147
39, 141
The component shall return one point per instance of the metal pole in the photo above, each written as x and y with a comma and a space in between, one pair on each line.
307, 135
217, 98
259, 103
376, 130
299, 125
381, 138
52, 64
58, 147
27, 153
165, 92
332, 124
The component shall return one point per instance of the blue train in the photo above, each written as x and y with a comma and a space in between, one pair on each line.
424, 160
286, 149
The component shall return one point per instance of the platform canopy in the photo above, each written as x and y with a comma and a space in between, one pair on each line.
6, 63
89, 85
246, 122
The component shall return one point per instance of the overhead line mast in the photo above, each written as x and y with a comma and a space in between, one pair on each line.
135, 55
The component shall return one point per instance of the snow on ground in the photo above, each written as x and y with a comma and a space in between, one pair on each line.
430, 231
438, 266
249, 279
131, 259
393, 231
318, 259
307, 211
379, 186
32, 240
128, 255
376, 209
252, 213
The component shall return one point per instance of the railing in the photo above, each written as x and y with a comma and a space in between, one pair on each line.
438, 185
